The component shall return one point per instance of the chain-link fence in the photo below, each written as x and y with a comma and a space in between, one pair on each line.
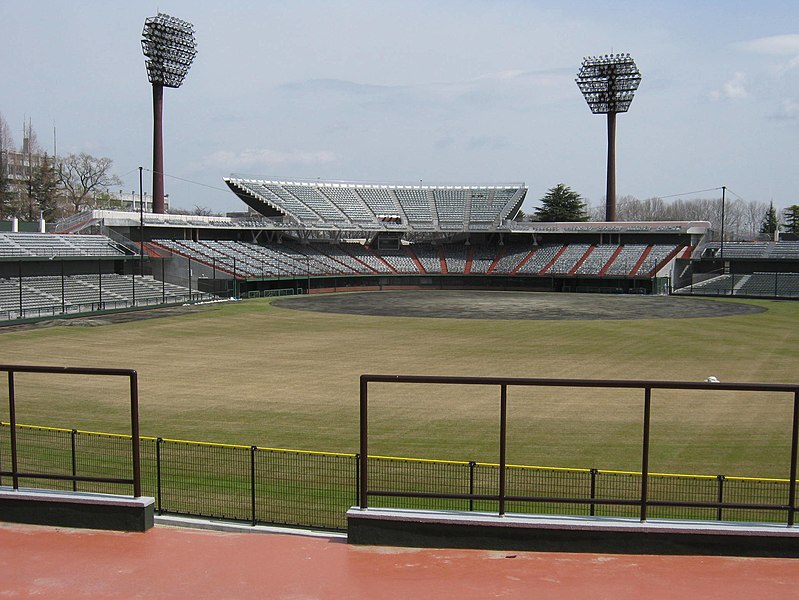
315, 489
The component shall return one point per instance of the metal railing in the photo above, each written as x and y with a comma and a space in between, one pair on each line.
642, 501
16, 473
258, 485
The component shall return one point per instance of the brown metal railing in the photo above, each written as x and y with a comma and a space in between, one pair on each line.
643, 501
132, 376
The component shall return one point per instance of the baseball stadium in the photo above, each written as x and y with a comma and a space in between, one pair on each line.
410, 388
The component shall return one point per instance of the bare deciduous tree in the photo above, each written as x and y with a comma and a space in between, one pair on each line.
82, 174
6, 145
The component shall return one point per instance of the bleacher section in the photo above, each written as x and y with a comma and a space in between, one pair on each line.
295, 259
782, 250
47, 245
380, 206
759, 284
626, 260
540, 259
52, 295
567, 260
597, 259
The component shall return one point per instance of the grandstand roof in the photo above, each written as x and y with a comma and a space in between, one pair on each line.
371, 206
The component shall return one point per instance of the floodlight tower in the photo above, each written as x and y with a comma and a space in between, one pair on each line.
608, 84
169, 47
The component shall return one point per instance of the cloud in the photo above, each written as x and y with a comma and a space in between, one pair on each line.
788, 109
778, 45
734, 89
266, 158
499, 87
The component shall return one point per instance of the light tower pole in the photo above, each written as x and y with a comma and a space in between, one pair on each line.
608, 84
169, 47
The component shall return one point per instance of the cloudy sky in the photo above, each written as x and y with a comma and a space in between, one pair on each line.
456, 91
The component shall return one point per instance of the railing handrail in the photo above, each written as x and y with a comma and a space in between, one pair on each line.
364, 492
132, 376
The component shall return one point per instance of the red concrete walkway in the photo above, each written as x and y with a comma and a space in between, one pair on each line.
168, 563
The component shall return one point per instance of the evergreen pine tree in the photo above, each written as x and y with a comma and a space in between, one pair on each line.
770, 222
792, 219
561, 203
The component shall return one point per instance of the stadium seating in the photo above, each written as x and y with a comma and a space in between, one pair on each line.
455, 257
482, 258
379, 206
782, 250
428, 257
657, 254
48, 245
626, 260
567, 259
49, 294
597, 259
541, 258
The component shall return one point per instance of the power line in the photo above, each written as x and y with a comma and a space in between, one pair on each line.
690, 193
189, 181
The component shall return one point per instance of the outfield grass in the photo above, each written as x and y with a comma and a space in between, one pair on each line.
251, 373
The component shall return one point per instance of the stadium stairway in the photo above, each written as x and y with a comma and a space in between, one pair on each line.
671, 256
500, 255
616, 253
554, 259
443, 260
469, 258
409, 251
640, 261
582, 259
524, 261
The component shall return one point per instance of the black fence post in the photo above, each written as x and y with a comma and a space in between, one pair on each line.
645, 451
720, 495
1, 452
252, 483
357, 480
472, 466
592, 506
158, 443
12, 418
503, 434
73, 435
794, 448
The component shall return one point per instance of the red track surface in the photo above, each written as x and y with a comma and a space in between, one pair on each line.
180, 563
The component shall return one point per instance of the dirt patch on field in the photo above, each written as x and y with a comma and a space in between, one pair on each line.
515, 305
109, 318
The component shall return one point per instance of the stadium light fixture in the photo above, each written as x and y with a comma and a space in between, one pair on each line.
608, 84
169, 47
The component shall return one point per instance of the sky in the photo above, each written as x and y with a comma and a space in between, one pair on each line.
450, 91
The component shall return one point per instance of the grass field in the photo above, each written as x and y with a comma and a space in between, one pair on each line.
252, 373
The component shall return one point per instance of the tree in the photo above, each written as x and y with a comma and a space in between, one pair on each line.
770, 223
45, 191
561, 203
82, 174
6, 146
791, 215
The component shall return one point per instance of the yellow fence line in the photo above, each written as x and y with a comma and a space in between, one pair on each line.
396, 458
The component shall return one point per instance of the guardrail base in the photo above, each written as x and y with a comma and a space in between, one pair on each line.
602, 535
76, 509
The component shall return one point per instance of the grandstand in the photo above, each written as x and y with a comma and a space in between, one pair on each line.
756, 269
303, 236
381, 206
45, 275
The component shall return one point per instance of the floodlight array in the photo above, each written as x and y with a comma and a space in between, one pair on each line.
608, 82
169, 45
